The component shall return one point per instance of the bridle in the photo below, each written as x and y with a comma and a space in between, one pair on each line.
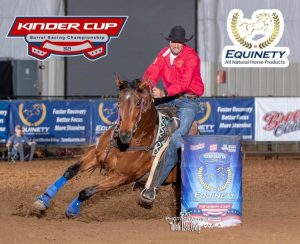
116, 129
142, 110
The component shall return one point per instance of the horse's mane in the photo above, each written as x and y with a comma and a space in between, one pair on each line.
134, 84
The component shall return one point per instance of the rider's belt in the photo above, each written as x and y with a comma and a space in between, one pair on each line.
190, 96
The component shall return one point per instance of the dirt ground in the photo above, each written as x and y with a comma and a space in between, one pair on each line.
271, 208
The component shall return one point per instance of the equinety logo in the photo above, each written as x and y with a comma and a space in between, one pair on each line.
255, 40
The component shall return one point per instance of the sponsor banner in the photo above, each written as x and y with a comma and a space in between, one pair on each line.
53, 122
4, 112
234, 116
104, 115
68, 35
205, 116
226, 116
255, 40
277, 119
211, 173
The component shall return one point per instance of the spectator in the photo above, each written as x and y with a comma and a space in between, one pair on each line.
20, 146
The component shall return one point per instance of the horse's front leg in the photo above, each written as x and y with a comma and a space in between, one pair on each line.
87, 162
109, 183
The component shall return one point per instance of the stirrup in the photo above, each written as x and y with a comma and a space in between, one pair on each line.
147, 201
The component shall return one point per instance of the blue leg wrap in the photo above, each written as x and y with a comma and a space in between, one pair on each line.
52, 190
74, 208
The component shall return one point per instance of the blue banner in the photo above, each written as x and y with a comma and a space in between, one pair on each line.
235, 116
211, 172
226, 116
104, 115
81, 122
4, 120
205, 117
53, 122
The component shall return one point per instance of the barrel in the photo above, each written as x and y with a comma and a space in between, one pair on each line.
211, 172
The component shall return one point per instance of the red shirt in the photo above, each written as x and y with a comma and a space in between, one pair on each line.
183, 76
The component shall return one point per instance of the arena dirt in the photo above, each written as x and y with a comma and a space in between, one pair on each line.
271, 209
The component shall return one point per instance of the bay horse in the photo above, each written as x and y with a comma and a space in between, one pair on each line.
123, 151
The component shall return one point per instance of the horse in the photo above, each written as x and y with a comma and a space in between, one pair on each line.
37, 109
123, 152
261, 24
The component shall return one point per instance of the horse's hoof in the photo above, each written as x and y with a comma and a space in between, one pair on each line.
71, 215
39, 205
34, 212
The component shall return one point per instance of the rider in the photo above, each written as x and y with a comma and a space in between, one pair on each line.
178, 65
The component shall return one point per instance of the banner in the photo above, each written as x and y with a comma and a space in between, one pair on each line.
82, 121
205, 116
277, 119
211, 172
226, 116
4, 111
53, 122
234, 116
104, 115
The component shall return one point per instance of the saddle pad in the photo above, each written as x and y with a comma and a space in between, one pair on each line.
163, 122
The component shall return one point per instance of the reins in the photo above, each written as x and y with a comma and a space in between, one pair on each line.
113, 143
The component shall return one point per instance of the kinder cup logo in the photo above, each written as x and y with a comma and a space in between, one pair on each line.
255, 40
67, 36
32, 115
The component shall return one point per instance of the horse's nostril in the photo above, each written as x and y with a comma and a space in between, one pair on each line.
125, 137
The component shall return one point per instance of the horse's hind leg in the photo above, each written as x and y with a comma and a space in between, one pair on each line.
109, 183
87, 162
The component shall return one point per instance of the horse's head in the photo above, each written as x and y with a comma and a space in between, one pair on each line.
265, 18
135, 99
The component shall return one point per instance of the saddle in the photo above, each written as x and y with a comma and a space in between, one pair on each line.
171, 113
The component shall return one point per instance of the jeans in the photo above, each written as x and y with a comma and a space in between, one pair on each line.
187, 109
23, 151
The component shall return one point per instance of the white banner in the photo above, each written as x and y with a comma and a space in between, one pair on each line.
212, 31
277, 119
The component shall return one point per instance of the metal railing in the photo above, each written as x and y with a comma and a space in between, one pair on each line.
270, 148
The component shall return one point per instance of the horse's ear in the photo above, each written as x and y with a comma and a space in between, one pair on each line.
118, 81
144, 83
